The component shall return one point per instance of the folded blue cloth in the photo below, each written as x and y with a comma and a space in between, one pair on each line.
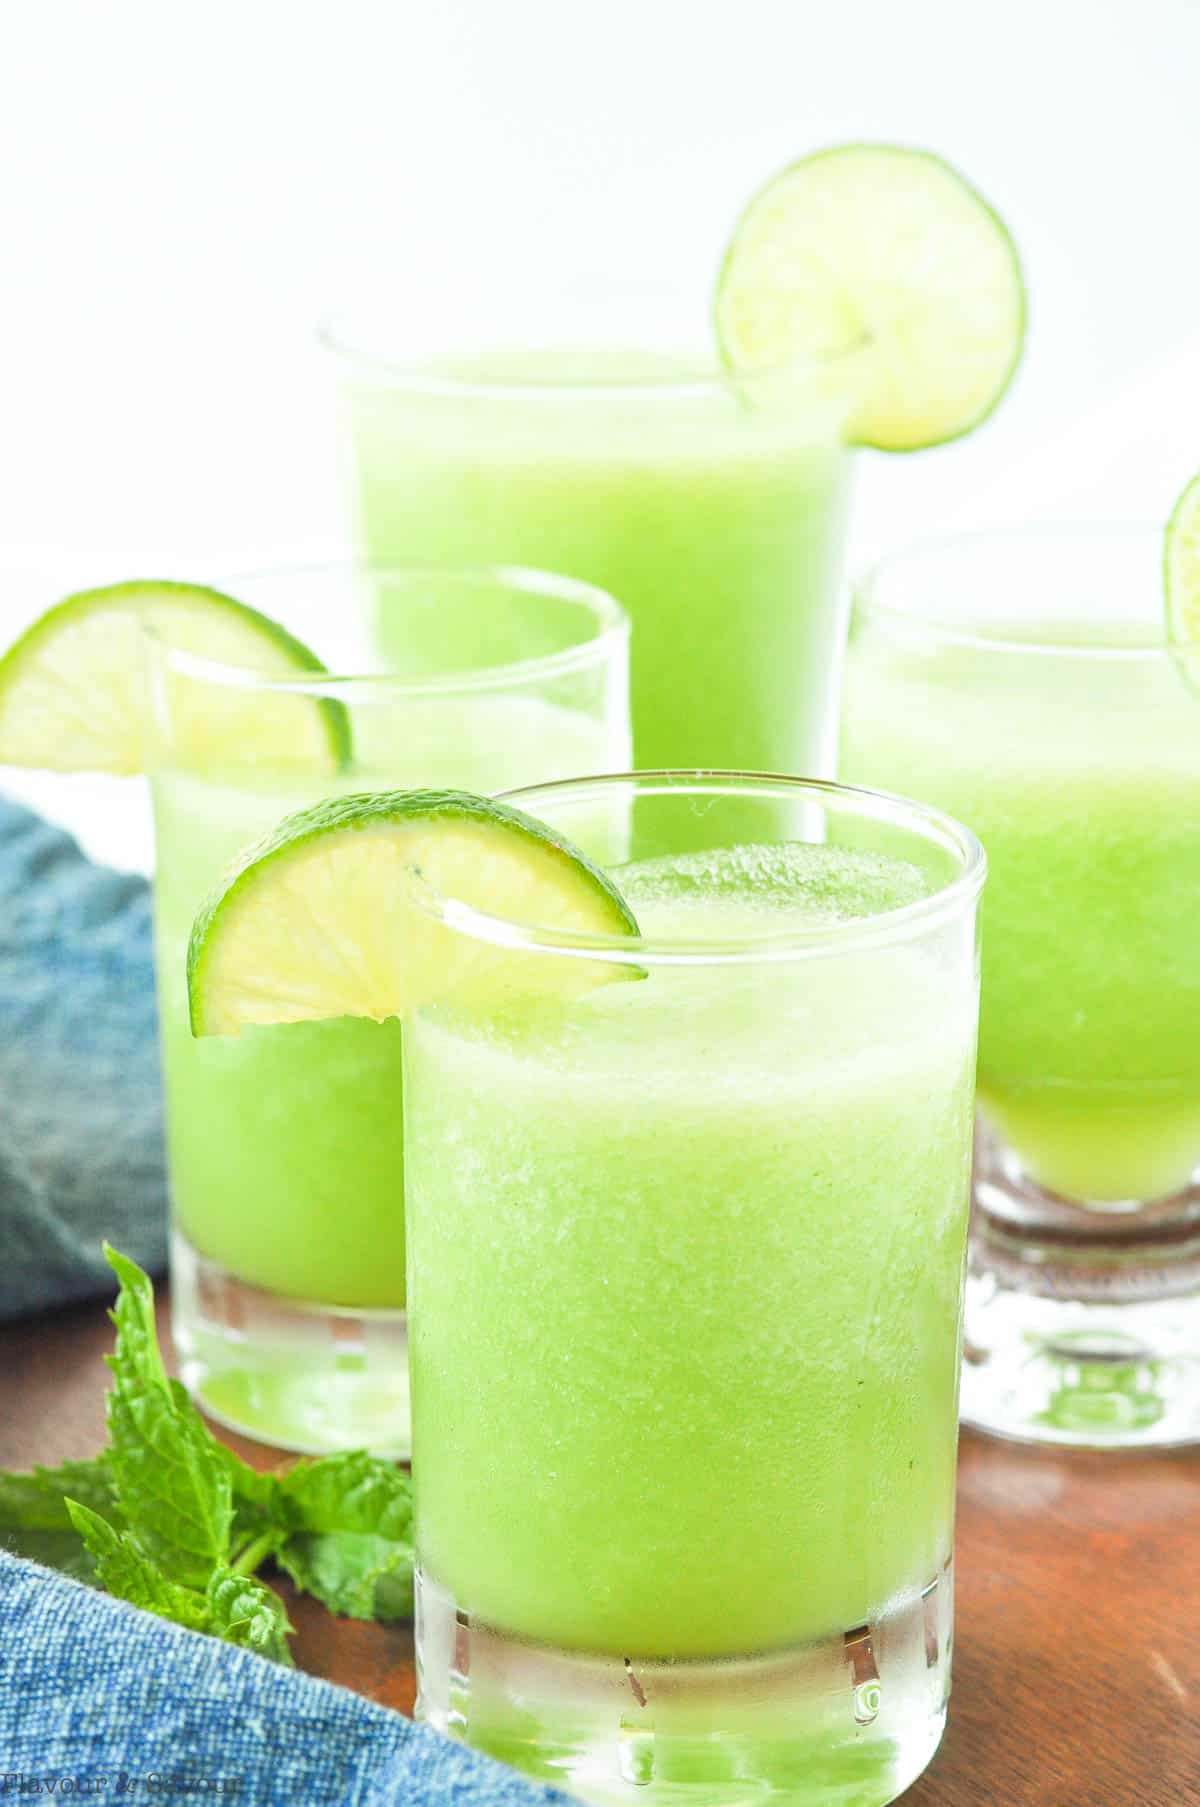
81, 1141
91, 1688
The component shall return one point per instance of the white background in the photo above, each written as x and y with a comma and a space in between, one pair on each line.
185, 187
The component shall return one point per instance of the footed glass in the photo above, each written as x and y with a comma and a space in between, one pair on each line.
287, 1263
1023, 681
685, 1271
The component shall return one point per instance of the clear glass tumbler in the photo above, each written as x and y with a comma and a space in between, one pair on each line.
593, 432
288, 1236
685, 1270
1023, 681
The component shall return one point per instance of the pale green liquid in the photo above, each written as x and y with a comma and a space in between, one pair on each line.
1082, 779
717, 523
685, 1273
285, 1144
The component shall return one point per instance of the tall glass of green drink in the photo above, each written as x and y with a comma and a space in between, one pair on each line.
1024, 681
685, 1269
591, 435
284, 1146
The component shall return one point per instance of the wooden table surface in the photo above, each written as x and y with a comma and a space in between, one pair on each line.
1077, 1652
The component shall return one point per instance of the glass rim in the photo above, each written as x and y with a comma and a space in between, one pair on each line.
885, 928
870, 601
335, 337
611, 628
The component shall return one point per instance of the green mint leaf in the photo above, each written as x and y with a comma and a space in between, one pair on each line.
233, 1607
124, 1569
350, 1492
248, 1612
350, 1534
258, 1517
172, 1477
252, 1490
34, 1521
61, 1550
35, 1501
351, 1572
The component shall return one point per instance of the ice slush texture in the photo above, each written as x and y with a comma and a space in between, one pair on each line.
685, 1269
1081, 775
715, 520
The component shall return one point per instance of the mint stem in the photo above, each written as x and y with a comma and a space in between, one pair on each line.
254, 1553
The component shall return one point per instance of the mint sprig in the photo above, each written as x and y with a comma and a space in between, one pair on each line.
231, 1606
172, 1480
170, 1519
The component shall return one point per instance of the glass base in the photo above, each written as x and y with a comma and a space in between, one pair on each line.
1082, 1321
299, 1376
847, 1722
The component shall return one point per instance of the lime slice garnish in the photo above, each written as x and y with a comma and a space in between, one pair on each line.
74, 695
335, 913
1181, 569
885, 260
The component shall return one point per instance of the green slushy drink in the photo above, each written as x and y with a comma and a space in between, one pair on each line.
1064, 733
685, 1264
713, 507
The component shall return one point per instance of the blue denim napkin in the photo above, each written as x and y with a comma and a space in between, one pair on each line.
91, 1688
81, 1147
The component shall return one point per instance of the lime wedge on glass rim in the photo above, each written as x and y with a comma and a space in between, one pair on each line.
1181, 571
884, 263
338, 912
75, 696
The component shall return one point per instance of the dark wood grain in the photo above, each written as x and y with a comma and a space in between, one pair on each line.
1077, 1659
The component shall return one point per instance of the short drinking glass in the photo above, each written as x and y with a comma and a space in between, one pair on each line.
287, 1261
685, 1269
